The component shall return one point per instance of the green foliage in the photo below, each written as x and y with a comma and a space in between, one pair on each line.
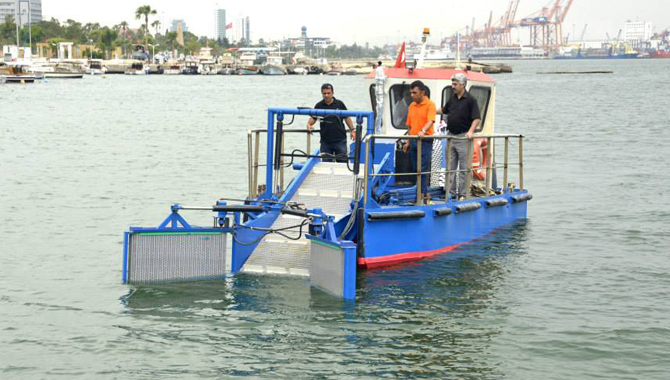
354, 51
8, 32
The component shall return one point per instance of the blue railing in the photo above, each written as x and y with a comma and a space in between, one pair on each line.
274, 138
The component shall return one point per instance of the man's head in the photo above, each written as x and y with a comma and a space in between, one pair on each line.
417, 90
327, 92
458, 83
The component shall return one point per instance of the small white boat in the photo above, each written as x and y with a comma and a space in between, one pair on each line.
95, 67
173, 69
300, 70
137, 68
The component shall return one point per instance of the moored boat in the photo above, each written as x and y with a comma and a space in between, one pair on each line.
137, 68
659, 54
271, 69
95, 67
247, 70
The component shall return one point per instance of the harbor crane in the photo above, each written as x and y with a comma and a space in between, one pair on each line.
546, 25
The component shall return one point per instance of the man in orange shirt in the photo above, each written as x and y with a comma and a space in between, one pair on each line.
420, 120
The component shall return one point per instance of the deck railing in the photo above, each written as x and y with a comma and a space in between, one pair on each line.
275, 159
254, 156
490, 160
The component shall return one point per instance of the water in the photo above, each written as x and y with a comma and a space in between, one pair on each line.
580, 290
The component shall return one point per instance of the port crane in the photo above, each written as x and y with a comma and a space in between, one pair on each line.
546, 25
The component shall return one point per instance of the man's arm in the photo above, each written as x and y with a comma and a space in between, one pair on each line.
310, 123
350, 124
476, 118
426, 127
471, 131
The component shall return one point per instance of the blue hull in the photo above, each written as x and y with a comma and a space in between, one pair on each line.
392, 241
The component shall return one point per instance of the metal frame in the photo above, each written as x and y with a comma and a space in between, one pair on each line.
490, 158
278, 114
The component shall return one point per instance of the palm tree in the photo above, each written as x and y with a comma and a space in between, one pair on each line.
145, 10
170, 39
156, 24
123, 29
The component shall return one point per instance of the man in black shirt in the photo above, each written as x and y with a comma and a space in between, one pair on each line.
462, 119
333, 133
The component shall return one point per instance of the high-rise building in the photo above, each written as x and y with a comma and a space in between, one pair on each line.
247, 31
637, 31
175, 24
23, 11
220, 24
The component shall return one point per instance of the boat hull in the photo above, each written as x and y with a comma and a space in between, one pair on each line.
393, 241
21, 78
63, 75
659, 54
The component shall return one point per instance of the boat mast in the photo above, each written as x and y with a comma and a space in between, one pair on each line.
16, 22
424, 42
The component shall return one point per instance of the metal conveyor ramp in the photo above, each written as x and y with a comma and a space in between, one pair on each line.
328, 186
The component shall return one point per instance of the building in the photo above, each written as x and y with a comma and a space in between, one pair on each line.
306, 43
636, 32
247, 29
175, 24
220, 24
241, 31
29, 10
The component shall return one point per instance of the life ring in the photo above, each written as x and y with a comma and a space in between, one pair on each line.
480, 159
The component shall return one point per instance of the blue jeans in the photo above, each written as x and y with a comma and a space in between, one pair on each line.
426, 158
330, 150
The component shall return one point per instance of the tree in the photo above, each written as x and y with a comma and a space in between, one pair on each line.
170, 40
156, 24
107, 38
8, 31
145, 11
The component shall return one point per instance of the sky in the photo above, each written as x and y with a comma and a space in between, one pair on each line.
375, 22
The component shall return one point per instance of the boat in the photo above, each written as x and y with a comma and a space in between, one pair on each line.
659, 54
117, 66
191, 68
172, 69
137, 68
226, 71
18, 73
507, 52
247, 70
271, 69
156, 69
334, 219
299, 70
208, 68
95, 67
57, 70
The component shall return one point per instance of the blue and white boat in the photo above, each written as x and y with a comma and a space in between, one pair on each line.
333, 219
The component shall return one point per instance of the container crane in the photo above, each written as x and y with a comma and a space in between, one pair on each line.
546, 25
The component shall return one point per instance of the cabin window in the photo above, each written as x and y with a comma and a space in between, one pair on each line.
446, 95
400, 101
482, 95
373, 99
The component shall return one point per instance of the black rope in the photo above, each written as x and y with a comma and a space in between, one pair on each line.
271, 231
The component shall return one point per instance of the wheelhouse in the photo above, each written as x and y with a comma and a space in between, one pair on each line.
396, 98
